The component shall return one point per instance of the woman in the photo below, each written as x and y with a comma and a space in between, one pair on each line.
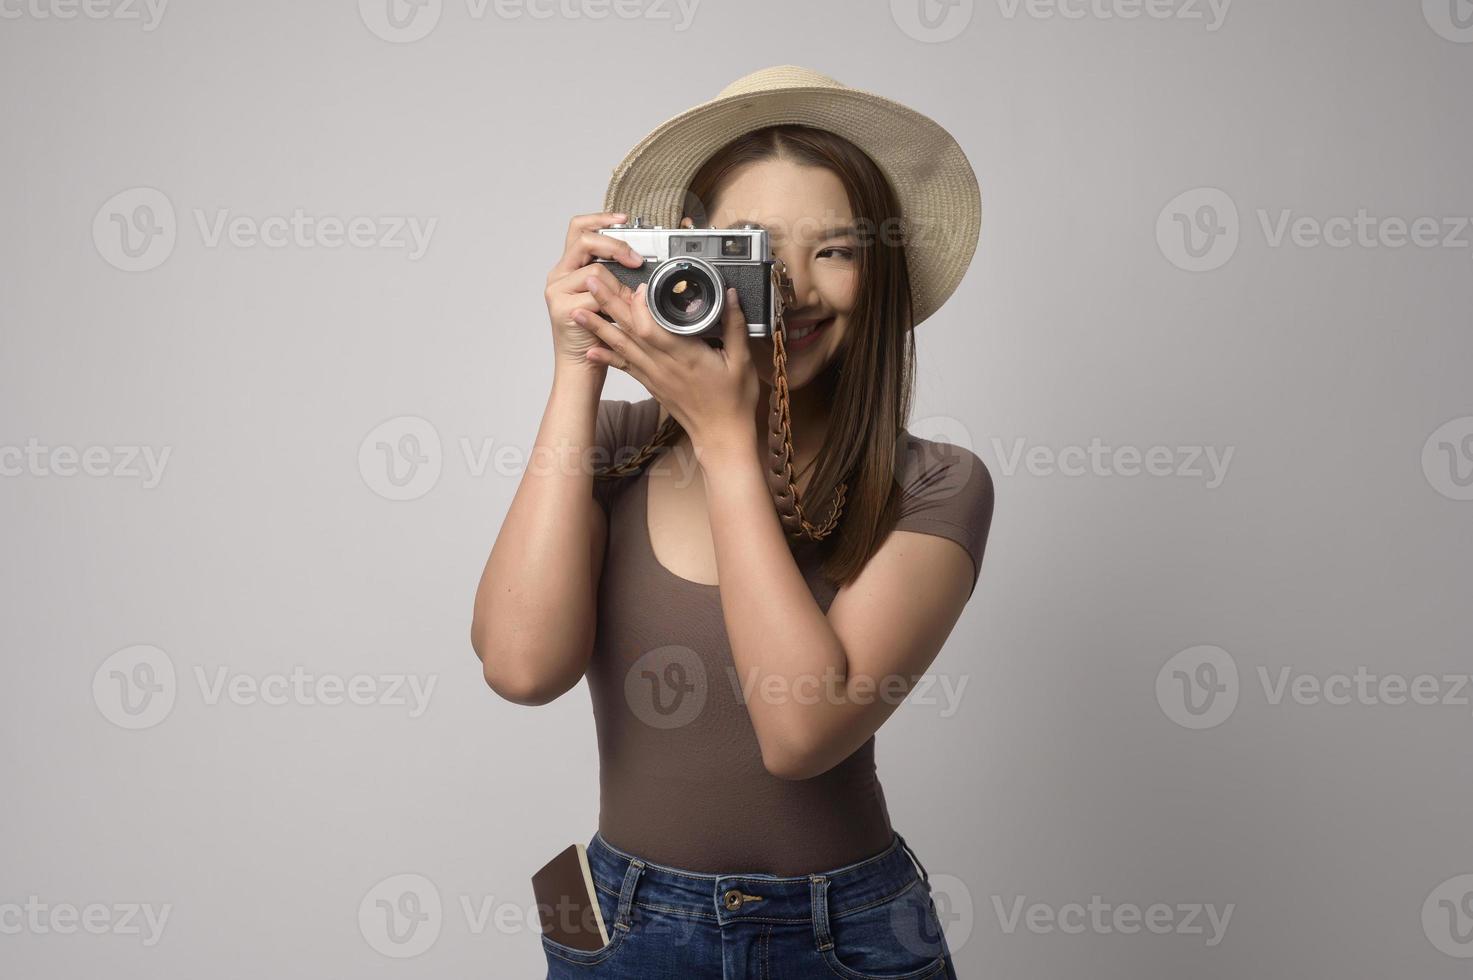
740, 664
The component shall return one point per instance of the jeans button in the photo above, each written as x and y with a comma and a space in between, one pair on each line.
732, 900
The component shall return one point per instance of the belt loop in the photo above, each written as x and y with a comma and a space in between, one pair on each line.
924, 877
818, 894
626, 894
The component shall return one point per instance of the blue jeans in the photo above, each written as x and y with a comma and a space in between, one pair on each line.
871, 920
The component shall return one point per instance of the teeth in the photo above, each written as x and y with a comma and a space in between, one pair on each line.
805, 331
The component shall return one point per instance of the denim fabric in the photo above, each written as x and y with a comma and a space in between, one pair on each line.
871, 920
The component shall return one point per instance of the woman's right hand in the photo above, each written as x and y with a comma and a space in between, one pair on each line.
566, 283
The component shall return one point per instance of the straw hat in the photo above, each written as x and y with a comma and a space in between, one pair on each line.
940, 202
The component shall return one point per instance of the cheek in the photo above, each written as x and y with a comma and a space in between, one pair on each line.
840, 288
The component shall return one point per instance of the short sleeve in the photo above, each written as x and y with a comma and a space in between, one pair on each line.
618, 434
946, 490
607, 431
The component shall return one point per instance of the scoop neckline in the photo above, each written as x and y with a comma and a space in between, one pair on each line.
649, 542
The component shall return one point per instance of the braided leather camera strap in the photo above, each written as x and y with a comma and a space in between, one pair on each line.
780, 479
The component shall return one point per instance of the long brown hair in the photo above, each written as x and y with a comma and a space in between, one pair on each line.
871, 383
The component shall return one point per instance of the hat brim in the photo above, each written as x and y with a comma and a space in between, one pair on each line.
940, 201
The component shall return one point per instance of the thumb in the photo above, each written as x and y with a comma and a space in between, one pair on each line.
734, 326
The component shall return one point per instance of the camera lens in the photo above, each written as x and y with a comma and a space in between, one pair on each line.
684, 296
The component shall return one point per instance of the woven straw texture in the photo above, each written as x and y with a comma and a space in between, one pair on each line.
941, 204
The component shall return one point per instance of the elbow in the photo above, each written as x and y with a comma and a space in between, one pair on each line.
521, 688
509, 683
793, 760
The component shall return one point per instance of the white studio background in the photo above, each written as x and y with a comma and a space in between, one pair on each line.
274, 345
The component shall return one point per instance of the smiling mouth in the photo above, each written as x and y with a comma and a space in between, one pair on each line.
802, 336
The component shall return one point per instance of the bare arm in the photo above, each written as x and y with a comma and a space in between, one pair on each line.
536, 605
821, 685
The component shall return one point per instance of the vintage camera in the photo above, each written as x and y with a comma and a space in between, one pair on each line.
688, 270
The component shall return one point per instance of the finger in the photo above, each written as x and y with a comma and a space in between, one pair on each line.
633, 314
576, 282
734, 328
602, 355
579, 301
625, 346
592, 244
631, 310
584, 242
592, 222
648, 329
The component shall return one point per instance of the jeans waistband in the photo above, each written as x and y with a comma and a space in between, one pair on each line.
753, 896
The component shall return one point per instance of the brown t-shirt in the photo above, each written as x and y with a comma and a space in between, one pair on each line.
680, 772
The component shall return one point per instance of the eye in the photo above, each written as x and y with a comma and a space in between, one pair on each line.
837, 252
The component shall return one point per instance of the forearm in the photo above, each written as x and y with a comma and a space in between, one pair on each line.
535, 605
787, 656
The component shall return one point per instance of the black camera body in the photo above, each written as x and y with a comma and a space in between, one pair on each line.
688, 269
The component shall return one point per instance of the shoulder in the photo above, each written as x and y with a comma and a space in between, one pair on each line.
945, 490
625, 423
940, 477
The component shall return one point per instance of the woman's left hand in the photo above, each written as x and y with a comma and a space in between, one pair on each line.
712, 393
